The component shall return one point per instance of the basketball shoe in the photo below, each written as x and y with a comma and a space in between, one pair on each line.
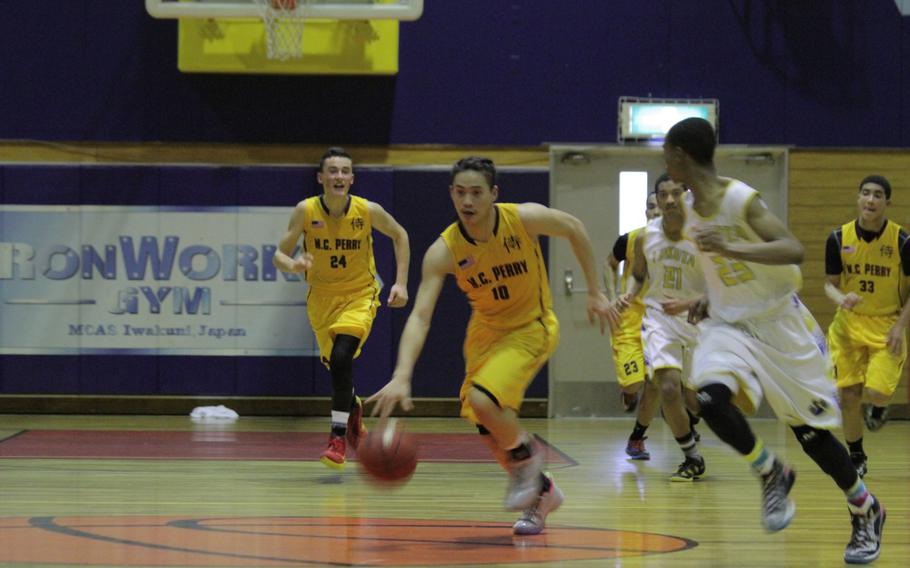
635, 449
525, 482
689, 470
777, 507
333, 455
533, 518
866, 542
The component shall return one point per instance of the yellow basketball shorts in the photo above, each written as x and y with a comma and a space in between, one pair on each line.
860, 353
347, 313
628, 354
504, 362
629, 359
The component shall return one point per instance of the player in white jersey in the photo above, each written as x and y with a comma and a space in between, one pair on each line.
668, 262
756, 340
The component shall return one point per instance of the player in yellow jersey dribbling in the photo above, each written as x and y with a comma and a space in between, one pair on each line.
494, 255
337, 260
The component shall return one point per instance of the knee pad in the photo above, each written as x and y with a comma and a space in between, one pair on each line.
712, 399
343, 350
828, 453
811, 439
341, 362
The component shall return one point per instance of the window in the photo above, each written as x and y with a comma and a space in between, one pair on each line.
633, 197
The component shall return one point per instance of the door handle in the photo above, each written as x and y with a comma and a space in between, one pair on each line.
569, 283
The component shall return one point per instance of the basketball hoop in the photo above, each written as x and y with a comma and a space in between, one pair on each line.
283, 21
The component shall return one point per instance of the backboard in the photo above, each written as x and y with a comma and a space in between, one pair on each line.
333, 37
403, 10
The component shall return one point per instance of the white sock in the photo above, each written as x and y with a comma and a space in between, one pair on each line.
340, 418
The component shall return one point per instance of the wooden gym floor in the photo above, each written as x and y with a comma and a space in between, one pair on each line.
165, 491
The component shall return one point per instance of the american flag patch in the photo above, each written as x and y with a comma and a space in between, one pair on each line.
317, 224
848, 249
466, 262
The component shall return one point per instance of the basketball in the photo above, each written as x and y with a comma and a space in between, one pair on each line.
388, 455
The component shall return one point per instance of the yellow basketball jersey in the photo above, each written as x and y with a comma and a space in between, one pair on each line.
872, 270
504, 278
630, 322
342, 247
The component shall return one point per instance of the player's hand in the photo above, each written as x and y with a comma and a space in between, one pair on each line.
623, 302
895, 339
602, 310
698, 311
850, 300
708, 239
303, 262
398, 296
675, 306
395, 392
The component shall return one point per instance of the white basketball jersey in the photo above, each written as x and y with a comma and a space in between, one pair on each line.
739, 289
673, 268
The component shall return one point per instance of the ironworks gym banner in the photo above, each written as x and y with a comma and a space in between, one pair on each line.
148, 280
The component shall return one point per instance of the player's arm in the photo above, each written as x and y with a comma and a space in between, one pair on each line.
541, 220
611, 266
779, 246
611, 275
437, 263
898, 331
834, 269
282, 258
639, 270
388, 226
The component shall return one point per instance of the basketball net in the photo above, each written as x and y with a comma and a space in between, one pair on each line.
283, 21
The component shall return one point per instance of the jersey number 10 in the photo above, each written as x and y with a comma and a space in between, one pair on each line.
501, 293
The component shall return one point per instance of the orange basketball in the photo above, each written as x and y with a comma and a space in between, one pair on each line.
388, 455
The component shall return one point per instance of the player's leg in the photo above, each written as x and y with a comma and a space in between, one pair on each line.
663, 339
851, 360
883, 375
629, 362
670, 381
851, 407
647, 409
500, 455
500, 367
637, 390
689, 391
341, 367
322, 310
525, 458
351, 319
533, 519
631, 370
729, 424
723, 369
868, 515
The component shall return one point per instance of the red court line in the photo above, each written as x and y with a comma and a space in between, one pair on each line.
222, 445
305, 541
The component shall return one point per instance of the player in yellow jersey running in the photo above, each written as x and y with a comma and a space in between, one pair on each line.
866, 261
494, 254
636, 392
337, 259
